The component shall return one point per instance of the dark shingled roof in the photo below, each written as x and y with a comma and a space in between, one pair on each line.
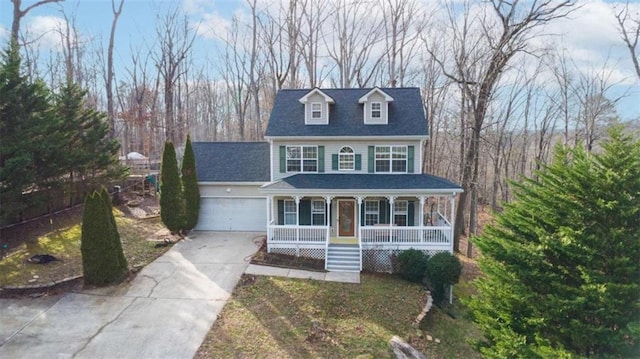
364, 182
232, 161
406, 114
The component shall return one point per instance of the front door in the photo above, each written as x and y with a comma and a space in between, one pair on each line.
346, 216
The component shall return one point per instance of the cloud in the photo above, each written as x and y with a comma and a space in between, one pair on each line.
45, 31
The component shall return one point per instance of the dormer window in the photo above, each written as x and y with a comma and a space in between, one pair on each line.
316, 107
376, 107
316, 111
376, 112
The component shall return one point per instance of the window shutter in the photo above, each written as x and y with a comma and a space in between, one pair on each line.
305, 212
411, 221
384, 211
320, 158
410, 161
283, 159
280, 212
334, 162
362, 213
372, 159
358, 162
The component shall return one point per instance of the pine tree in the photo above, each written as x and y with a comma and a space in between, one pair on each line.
90, 153
25, 123
190, 186
102, 258
561, 265
171, 197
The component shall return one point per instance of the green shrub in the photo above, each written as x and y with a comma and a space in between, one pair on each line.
443, 269
102, 258
190, 187
411, 265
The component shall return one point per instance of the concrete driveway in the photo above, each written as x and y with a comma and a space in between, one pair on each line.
165, 312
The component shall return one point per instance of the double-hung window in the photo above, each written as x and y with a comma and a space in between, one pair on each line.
400, 211
371, 213
317, 213
376, 111
316, 111
290, 212
391, 159
302, 158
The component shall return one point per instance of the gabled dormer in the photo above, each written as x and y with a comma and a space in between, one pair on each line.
376, 107
316, 107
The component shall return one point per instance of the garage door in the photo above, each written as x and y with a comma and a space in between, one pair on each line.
232, 214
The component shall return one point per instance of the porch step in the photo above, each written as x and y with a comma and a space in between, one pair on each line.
343, 258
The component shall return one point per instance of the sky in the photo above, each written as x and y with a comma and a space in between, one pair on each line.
590, 38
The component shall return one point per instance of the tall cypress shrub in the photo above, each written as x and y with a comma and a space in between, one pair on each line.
561, 265
190, 186
171, 198
101, 262
116, 242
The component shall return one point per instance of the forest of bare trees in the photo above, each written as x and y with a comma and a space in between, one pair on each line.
499, 89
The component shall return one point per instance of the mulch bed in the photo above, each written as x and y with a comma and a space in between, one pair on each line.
282, 260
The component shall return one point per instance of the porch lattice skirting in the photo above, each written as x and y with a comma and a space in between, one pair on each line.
316, 253
382, 260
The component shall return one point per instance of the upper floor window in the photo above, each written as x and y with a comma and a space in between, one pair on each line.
302, 158
346, 159
316, 111
391, 159
376, 110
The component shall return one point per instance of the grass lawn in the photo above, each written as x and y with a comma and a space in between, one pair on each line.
270, 317
64, 244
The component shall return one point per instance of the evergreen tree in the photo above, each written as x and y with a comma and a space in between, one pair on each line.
171, 197
116, 242
90, 153
190, 186
102, 257
561, 265
25, 123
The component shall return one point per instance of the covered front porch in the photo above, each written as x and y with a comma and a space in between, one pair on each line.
351, 227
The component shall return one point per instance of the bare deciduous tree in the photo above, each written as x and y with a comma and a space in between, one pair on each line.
18, 14
109, 73
629, 27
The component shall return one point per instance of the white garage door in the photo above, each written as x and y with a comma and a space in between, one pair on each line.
232, 214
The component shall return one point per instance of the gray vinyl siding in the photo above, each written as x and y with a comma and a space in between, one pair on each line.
333, 147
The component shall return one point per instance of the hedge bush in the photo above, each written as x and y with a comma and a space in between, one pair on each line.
442, 270
103, 261
411, 265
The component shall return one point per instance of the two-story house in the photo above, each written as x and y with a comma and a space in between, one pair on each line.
338, 178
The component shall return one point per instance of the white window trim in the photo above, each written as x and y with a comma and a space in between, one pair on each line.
372, 212
321, 111
285, 212
398, 212
351, 154
318, 210
379, 110
302, 158
391, 147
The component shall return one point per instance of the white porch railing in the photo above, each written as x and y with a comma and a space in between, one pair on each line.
292, 236
439, 235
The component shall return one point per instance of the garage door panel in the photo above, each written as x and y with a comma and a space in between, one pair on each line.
232, 214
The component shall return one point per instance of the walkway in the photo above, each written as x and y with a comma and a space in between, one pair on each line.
345, 277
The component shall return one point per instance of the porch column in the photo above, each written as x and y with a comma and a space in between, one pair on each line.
297, 199
269, 221
452, 218
421, 213
327, 215
359, 200
391, 199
